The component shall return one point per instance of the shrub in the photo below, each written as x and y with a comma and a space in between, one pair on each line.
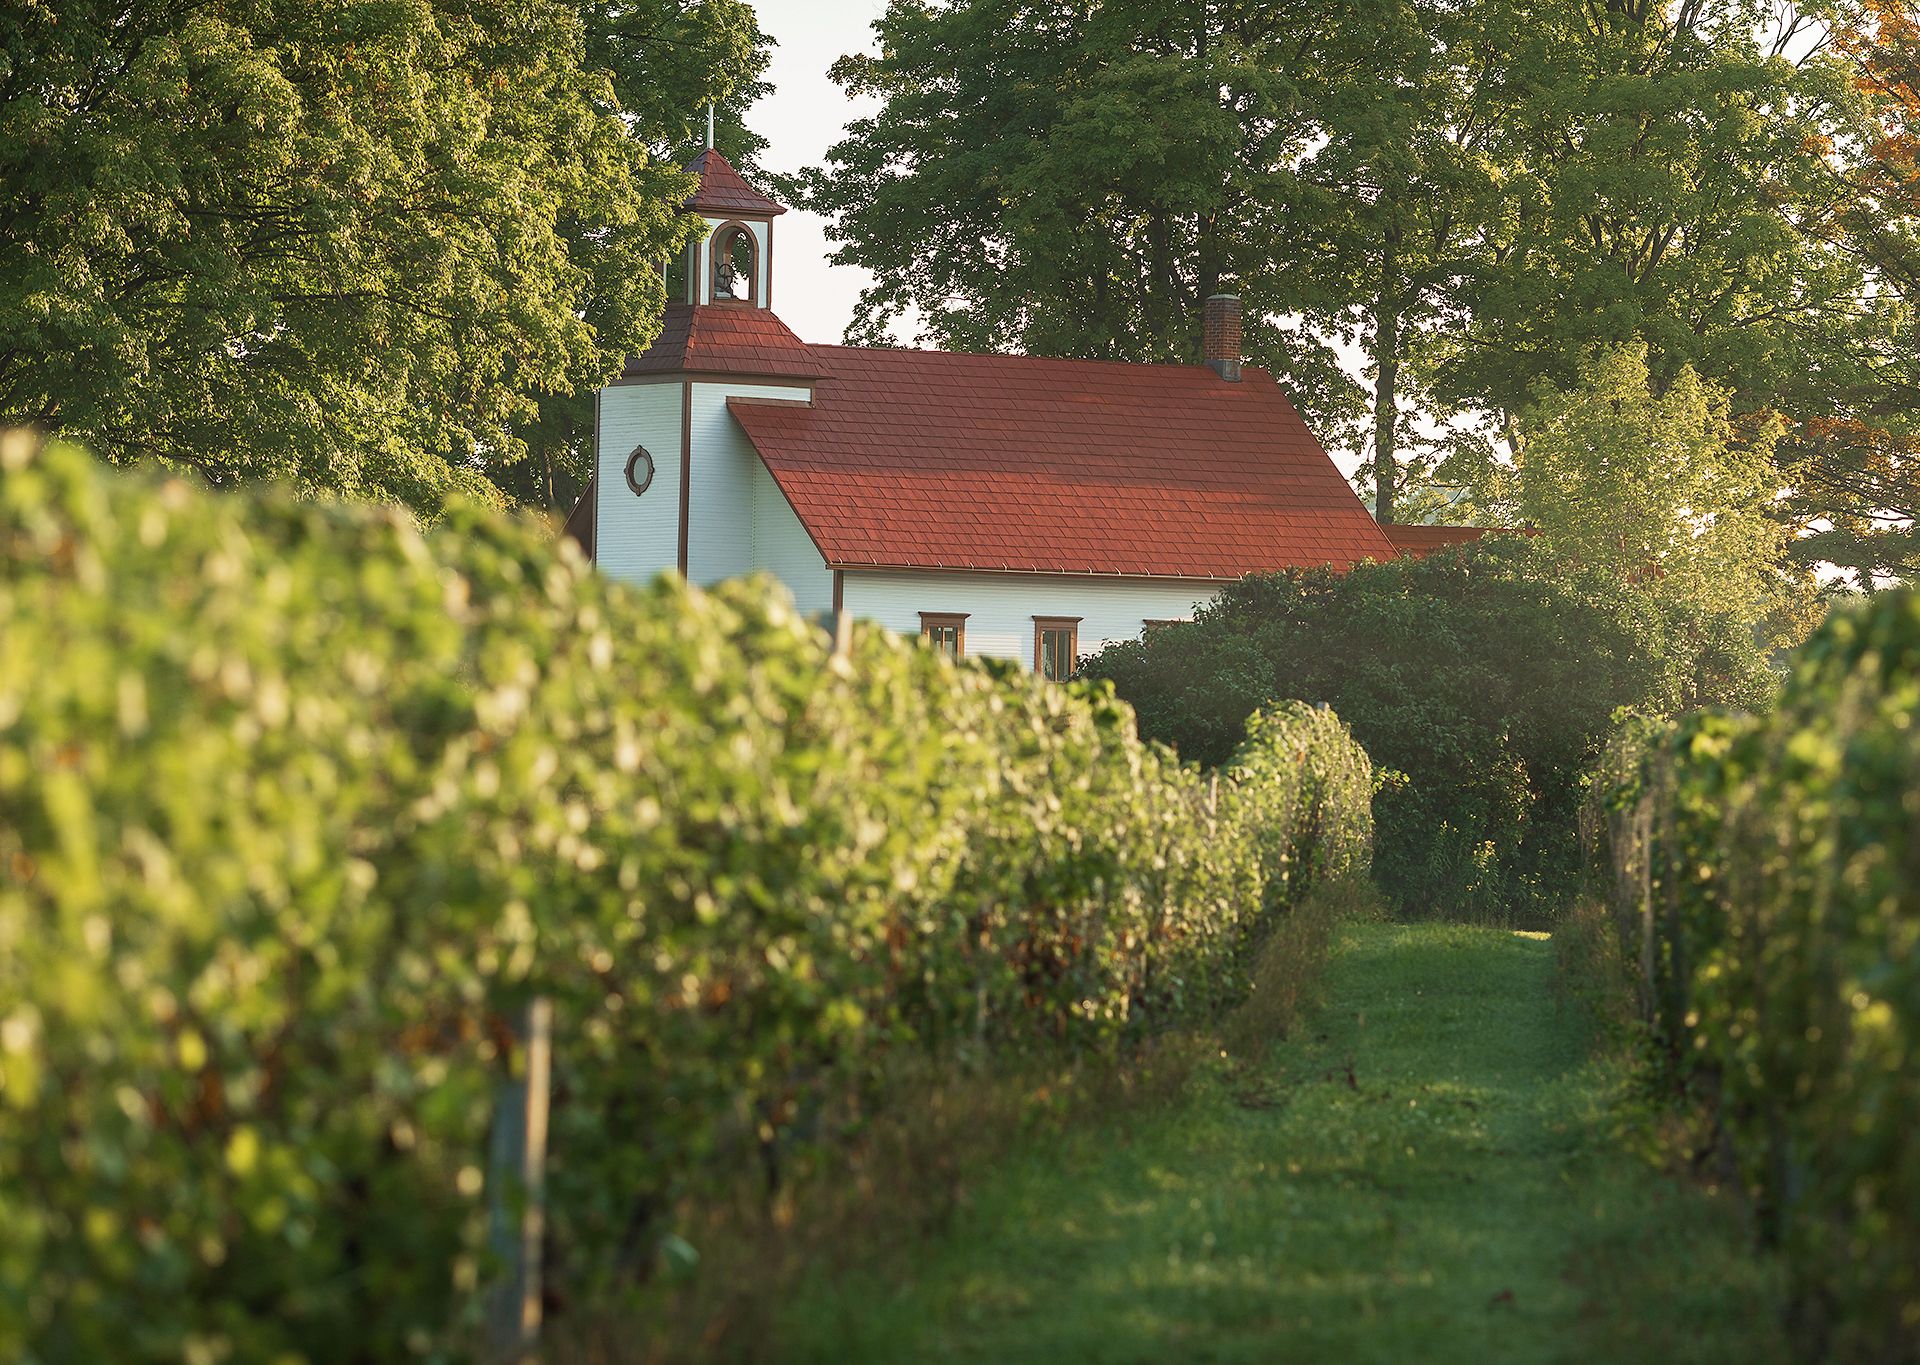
1488, 676
1765, 881
299, 804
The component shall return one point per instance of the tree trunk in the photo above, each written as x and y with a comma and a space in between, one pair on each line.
1386, 362
1161, 320
1207, 242
1209, 256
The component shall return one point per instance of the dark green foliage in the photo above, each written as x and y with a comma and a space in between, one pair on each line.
371, 250
1076, 179
1488, 676
298, 804
1473, 194
1766, 879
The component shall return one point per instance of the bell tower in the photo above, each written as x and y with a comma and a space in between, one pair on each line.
731, 263
677, 486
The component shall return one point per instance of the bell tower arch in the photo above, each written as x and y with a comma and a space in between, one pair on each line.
730, 264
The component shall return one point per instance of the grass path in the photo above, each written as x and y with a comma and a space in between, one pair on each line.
1427, 1173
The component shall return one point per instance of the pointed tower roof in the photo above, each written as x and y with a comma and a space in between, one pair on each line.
723, 191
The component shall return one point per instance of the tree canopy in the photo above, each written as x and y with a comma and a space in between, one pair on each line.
1662, 491
1654, 155
361, 248
1076, 179
1477, 194
1855, 458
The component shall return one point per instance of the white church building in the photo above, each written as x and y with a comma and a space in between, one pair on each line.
1013, 506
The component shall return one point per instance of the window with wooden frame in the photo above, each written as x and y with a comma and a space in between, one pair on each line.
1056, 646
945, 631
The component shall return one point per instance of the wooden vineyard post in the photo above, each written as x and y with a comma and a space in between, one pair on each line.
519, 1162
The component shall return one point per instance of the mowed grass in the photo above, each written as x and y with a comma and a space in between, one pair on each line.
1427, 1172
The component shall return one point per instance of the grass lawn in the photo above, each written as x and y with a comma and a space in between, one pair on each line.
1426, 1173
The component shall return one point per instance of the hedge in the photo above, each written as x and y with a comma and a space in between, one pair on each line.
299, 803
1487, 675
1767, 880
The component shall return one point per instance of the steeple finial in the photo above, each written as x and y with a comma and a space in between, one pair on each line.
709, 126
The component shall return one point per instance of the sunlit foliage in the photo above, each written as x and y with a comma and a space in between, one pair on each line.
369, 250
298, 805
1659, 489
1763, 879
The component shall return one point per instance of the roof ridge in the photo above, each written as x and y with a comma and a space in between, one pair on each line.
1132, 365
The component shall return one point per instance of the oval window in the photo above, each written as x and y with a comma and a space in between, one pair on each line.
639, 470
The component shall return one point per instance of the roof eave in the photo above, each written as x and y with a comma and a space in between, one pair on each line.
712, 209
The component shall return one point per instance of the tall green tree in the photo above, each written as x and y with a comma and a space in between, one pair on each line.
1393, 206
1854, 458
1077, 179
1690, 176
342, 244
1661, 491
1655, 154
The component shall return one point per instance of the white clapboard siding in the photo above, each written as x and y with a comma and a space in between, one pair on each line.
721, 524
636, 539
783, 548
1000, 607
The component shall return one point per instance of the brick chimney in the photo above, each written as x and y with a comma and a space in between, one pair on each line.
1220, 335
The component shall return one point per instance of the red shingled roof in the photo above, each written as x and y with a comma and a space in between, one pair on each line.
725, 339
723, 191
928, 459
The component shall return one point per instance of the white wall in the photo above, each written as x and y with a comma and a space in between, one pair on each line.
1001, 607
637, 538
720, 504
782, 546
723, 521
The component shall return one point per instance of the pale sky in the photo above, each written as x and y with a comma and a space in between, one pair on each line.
801, 119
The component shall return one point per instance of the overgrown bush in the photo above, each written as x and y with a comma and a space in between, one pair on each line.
1487, 675
1766, 882
299, 804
